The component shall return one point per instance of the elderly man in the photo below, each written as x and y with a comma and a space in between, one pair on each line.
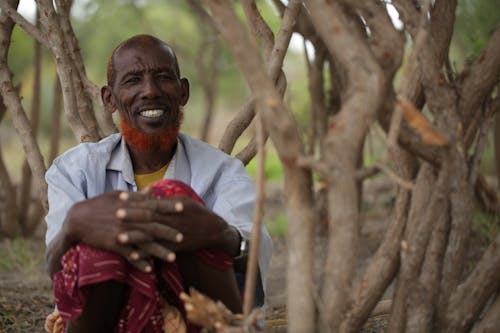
101, 207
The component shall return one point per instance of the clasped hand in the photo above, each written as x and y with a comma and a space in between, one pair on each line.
138, 226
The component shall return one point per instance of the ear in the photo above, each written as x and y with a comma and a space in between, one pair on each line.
108, 99
185, 91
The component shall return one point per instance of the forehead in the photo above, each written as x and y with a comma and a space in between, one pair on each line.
143, 57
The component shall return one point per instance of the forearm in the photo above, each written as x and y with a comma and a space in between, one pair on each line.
55, 250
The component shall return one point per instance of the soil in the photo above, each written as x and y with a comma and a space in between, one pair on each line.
26, 296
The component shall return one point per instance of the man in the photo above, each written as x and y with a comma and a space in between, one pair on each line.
93, 198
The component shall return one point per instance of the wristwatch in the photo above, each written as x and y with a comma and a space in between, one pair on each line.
244, 245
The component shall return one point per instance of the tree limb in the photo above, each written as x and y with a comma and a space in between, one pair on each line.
467, 302
23, 23
284, 133
383, 265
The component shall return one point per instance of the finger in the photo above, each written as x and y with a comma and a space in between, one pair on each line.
135, 257
133, 237
58, 327
159, 231
147, 190
135, 214
135, 196
142, 265
158, 251
49, 322
161, 205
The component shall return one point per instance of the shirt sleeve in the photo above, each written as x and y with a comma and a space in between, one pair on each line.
235, 203
64, 190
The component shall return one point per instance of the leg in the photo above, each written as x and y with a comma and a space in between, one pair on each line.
104, 304
216, 284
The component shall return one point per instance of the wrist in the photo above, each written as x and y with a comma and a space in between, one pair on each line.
243, 246
232, 241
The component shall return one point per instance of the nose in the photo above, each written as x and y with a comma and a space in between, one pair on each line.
150, 88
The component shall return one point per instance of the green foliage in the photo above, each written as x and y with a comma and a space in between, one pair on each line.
273, 168
277, 226
475, 22
487, 226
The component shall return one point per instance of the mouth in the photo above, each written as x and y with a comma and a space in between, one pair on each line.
152, 114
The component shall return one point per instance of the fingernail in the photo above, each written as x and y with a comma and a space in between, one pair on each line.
171, 257
121, 213
179, 206
148, 269
134, 255
189, 307
123, 238
179, 237
124, 196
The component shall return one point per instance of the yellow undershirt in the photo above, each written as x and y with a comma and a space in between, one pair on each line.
147, 179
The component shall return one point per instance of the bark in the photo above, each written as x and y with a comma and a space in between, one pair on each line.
14, 107
298, 185
9, 225
249, 151
497, 147
470, 297
424, 297
56, 43
253, 258
209, 83
479, 79
56, 121
343, 144
490, 323
426, 205
385, 262
25, 188
316, 82
83, 97
241, 121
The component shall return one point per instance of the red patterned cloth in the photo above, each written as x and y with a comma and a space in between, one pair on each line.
84, 265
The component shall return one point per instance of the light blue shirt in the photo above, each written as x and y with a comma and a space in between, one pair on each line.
91, 169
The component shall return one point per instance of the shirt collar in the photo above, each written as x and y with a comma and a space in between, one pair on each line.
120, 161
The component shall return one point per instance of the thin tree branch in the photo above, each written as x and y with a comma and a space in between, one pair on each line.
241, 121
23, 23
25, 188
482, 140
480, 78
252, 264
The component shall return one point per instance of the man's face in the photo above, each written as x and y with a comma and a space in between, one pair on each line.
147, 90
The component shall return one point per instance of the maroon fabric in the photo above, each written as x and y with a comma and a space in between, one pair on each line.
84, 266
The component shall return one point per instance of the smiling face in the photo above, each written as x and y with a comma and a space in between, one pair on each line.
145, 87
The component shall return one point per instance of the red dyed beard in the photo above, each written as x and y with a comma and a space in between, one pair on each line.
148, 143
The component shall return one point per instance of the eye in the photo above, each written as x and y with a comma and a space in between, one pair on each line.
165, 77
131, 80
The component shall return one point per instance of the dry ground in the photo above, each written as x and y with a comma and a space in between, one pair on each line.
25, 291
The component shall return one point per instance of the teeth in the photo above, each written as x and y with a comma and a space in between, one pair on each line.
152, 113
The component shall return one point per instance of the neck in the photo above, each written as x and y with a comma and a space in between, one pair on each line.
148, 162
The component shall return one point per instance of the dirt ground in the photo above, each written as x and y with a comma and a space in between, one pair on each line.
26, 298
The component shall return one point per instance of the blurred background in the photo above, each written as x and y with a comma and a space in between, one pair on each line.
101, 24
